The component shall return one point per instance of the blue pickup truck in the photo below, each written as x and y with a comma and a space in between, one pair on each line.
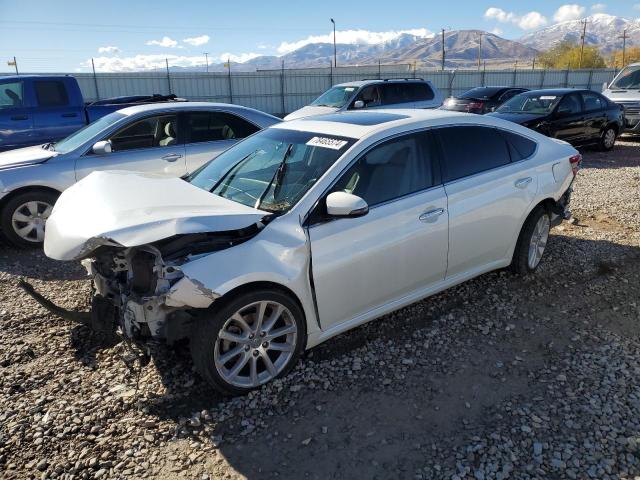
38, 109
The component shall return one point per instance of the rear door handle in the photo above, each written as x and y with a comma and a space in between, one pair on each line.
69, 115
523, 182
431, 215
20, 117
171, 157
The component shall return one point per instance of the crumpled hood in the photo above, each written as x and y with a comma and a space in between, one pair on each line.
309, 111
21, 157
131, 209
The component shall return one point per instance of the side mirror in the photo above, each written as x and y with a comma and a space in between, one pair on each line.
102, 147
343, 204
358, 104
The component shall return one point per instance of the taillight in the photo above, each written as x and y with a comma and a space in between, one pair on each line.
474, 105
575, 162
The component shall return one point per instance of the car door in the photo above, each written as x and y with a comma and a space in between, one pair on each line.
55, 117
209, 133
152, 144
16, 118
567, 121
399, 247
595, 114
487, 194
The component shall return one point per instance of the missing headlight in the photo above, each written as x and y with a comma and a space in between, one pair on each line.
143, 278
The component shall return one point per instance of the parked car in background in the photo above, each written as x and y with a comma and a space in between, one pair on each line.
580, 117
370, 94
170, 140
481, 99
37, 109
308, 229
625, 90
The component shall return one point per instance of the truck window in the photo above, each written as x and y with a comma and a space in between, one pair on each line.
51, 93
11, 95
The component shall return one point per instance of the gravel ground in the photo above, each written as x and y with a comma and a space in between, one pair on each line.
501, 377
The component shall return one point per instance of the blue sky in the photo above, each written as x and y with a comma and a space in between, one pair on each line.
63, 35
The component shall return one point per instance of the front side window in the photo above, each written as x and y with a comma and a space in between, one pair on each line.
592, 101
216, 126
91, 131
471, 150
156, 131
370, 96
273, 169
11, 95
391, 170
51, 93
525, 103
336, 97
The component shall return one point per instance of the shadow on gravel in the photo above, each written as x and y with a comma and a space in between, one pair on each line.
35, 264
622, 156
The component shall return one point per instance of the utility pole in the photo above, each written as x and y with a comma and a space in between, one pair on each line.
335, 57
443, 55
624, 46
582, 38
480, 50
206, 56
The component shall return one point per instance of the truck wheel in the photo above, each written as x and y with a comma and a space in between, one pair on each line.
532, 242
248, 341
23, 218
608, 139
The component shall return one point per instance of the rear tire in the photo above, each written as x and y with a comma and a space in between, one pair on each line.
608, 139
532, 242
23, 218
248, 340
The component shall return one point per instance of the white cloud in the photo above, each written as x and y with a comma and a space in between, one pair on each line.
108, 49
528, 21
243, 57
165, 42
353, 37
636, 6
197, 41
569, 12
497, 31
598, 7
144, 62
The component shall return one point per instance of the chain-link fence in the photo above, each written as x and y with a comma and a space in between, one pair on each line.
284, 90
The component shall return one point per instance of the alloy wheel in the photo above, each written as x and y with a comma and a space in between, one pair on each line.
538, 241
28, 220
609, 138
255, 344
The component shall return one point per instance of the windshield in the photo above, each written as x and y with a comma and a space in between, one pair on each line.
483, 93
85, 134
530, 103
272, 169
628, 78
335, 97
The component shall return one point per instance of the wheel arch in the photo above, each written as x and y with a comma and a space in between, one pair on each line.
30, 188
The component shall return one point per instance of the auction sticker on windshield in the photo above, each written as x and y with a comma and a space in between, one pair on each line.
548, 97
325, 142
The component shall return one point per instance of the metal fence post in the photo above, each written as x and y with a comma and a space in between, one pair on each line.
230, 85
452, 76
544, 73
330, 74
590, 79
566, 77
379, 71
95, 79
284, 112
168, 76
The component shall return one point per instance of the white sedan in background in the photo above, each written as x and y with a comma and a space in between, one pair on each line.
308, 229
167, 139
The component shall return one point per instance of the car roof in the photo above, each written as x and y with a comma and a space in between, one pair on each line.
373, 81
360, 124
164, 106
555, 91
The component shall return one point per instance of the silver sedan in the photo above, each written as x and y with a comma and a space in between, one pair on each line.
168, 140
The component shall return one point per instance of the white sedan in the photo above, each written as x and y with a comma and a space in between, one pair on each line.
308, 229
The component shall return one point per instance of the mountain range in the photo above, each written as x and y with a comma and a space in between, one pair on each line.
461, 47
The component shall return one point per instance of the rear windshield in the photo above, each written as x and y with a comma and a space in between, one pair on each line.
483, 93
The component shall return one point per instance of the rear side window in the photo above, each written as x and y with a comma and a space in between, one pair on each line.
419, 92
394, 93
51, 93
11, 95
471, 150
520, 147
215, 126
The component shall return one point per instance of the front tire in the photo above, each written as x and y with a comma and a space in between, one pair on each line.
23, 218
248, 341
608, 139
532, 242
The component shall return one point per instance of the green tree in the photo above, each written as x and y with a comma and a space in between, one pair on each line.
567, 55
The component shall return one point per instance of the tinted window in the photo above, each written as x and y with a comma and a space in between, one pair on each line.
419, 92
11, 95
393, 93
519, 147
470, 150
214, 126
390, 170
158, 131
482, 93
509, 94
51, 94
570, 104
592, 101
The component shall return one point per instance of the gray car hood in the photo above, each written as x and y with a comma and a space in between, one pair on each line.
131, 209
21, 157
309, 111
620, 95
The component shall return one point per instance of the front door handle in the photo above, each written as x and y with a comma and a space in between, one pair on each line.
431, 215
523, 182
171, 157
